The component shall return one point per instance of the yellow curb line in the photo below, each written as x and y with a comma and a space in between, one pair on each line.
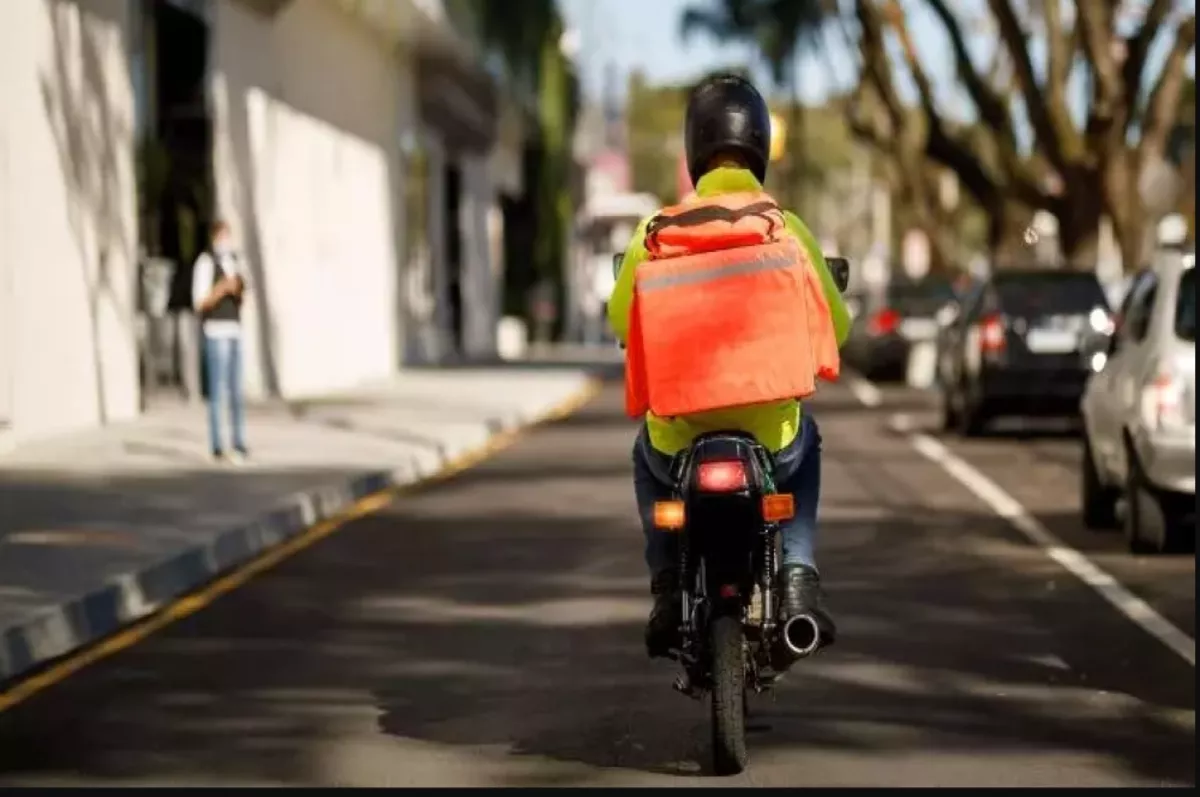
193, 602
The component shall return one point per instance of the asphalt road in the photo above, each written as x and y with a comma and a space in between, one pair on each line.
488, 631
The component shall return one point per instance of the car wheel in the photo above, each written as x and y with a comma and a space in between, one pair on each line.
1148, 529
1099, 502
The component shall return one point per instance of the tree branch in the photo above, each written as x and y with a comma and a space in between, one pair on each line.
875, 60
1002, 80
1095, 23
1060, 47
1060, 143
1162, 110
993, 109
870, 133
895, 18
908, 171
1138, 49
940, 146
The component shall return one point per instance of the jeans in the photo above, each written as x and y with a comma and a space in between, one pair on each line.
223, 361
797, 471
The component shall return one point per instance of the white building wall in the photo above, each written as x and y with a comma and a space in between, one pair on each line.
68, 229
310, 108
309, 111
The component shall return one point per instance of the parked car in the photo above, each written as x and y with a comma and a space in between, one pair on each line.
1014, 347
1139, 413
887, 325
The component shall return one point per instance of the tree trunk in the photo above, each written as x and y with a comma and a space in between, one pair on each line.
1132, 241
1079, 216
939, 258
1125, 207
1079, 234
1007, 223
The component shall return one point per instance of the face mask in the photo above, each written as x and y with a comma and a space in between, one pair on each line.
222, 247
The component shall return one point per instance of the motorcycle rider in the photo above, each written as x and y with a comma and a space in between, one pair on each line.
727, 141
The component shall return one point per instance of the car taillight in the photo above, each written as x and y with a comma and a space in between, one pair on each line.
991, 334
727, 476
884, 322
1164, 405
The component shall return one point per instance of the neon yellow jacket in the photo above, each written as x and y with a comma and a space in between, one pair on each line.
775, 425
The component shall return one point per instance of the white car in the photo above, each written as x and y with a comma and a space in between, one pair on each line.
1139, 413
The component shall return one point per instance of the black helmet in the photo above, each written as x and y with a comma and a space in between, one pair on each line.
725, 113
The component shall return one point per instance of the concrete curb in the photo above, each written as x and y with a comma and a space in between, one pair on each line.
134, 596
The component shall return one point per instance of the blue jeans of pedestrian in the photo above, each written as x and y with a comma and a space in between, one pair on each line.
223, 361
797, 471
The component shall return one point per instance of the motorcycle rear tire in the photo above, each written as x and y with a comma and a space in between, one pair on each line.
727, 644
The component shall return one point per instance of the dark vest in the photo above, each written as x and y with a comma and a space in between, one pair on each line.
229, 308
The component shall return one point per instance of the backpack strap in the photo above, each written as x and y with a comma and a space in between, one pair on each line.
705, 214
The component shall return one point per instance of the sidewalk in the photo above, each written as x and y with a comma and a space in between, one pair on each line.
101, 529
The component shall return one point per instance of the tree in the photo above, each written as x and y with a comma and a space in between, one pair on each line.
654, 117
527, 36
781, 29
654, 114
1077, 172
517, 35
914, 138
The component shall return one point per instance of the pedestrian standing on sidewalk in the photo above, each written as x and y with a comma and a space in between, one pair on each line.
218, 285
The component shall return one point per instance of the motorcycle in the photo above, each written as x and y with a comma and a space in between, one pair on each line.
728, 513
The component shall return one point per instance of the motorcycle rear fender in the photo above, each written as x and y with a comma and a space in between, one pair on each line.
724, 528
719, 446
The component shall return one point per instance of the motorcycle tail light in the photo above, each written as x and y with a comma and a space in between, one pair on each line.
727, 476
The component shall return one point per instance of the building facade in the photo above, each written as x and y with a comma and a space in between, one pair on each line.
355, 147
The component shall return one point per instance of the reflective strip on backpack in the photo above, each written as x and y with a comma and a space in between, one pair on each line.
767, 261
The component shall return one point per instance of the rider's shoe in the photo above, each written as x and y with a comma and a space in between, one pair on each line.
662, 632
802, 595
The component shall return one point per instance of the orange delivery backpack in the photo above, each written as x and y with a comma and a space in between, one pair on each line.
727, 311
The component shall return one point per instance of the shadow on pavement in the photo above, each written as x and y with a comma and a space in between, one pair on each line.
1012, 430
480, 618
525, 634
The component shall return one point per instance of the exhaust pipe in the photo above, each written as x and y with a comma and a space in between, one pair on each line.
801, 636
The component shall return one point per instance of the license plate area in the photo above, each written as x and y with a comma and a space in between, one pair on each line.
1051, 341
918, 329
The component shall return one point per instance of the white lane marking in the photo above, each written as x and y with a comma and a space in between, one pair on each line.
1067, 557
1004, 505
867, 394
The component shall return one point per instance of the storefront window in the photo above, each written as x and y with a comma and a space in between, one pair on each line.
416, 200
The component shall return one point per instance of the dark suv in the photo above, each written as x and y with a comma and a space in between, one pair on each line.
1015, 347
